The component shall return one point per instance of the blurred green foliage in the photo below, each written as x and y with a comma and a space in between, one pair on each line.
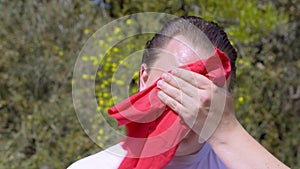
40, 42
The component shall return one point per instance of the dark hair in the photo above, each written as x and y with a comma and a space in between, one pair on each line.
178, 26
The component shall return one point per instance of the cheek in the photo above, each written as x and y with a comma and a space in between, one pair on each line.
154, 74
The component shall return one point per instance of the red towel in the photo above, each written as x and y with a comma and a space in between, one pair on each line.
154, 131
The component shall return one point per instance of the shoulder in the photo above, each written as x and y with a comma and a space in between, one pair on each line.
107, 159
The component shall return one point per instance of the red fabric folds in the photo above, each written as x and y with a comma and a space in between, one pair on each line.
154, 131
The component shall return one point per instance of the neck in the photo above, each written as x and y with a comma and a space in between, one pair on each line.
189, 145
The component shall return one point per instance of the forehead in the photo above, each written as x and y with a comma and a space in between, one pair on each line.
179, 51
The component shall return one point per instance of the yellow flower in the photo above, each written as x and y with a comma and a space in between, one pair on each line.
247, 120
120, 82
61, 53
100, 74
108, 53
55, 47
86, 31
240, 62
99, 138
101, 131
110, 39
241, 100
106, 138
116, 49
101, 42
117, 30
105, 95
94, 59
129, 21
100, 56
100, 144
85, 58
85, 76
136, 75
248, 63
102, 86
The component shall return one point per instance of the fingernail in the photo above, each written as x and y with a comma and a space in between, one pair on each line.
160, 83
174, 71
165, 76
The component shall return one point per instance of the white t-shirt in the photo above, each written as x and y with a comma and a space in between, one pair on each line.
112, 157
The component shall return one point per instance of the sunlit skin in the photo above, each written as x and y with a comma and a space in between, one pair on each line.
177, 52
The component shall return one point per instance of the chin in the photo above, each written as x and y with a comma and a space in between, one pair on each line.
189, 145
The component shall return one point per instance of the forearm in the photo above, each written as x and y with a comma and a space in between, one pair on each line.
239, 150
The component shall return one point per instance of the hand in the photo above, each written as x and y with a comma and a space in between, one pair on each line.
202, 105
208, 110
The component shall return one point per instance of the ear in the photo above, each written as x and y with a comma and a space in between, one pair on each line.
143, 76
228, 82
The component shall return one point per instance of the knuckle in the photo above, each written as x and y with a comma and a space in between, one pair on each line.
173, 105
210, 88
179, 71
194, 79
176, 81
205, 99
178, 98
178, 95
186, 88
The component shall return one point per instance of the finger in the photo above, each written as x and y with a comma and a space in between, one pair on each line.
171, 102
184, 112
171, 91
180, 84
188, 102
193, 78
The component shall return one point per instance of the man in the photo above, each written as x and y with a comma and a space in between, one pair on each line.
191, 96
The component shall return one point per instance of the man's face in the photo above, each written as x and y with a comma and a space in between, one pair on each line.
176, 53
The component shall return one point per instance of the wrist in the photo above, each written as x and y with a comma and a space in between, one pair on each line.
225, 132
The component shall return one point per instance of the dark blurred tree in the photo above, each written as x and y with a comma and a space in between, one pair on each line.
40, 41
